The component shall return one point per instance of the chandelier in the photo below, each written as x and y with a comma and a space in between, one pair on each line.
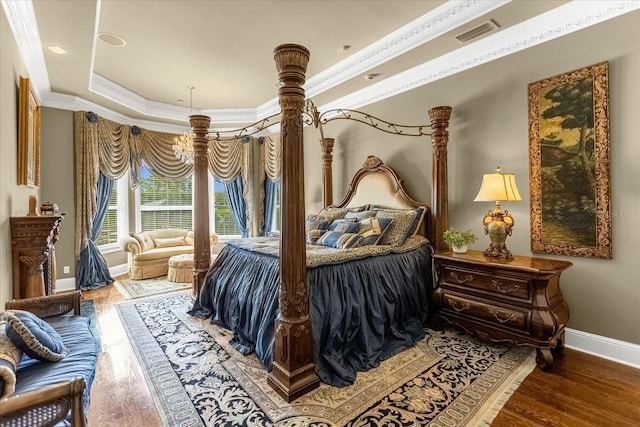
183, 145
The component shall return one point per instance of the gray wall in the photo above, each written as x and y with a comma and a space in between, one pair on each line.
57, 182
14, 199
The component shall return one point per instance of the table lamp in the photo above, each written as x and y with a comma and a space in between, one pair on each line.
498, 224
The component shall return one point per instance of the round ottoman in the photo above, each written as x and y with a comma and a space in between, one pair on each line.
180, 268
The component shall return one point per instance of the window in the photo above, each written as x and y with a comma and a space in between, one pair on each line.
222, 221
163, 203
169, 204
115, 222
277, 211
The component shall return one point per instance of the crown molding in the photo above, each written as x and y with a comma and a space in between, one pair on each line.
558, 22
439, 21
22, 20
429, 26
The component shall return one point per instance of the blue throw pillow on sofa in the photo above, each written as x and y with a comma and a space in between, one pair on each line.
35, 337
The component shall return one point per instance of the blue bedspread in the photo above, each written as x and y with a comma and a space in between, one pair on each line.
362, 310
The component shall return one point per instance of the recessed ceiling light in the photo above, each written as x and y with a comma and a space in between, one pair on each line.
112, 39
57, 49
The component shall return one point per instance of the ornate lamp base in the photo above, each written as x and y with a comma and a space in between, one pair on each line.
498, 252
498, 225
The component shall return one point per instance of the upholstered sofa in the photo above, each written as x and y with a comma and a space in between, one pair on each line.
50, 392
148, 252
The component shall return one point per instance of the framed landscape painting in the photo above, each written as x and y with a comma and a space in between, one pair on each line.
28, 136
569, 163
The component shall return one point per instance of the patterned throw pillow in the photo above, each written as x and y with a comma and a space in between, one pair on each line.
403, 225
331, 214
315, 227
10, 356
34, 336
344, 225
340, 239
372, 229
359, 216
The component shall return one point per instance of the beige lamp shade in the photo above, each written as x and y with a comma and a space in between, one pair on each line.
498, 187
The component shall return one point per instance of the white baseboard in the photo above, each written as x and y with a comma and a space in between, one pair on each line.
117, 270
66, 285
607, 348
69, 284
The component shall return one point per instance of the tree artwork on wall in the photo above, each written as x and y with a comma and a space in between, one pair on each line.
570, 163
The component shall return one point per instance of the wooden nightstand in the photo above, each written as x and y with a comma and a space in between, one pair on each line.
517, 300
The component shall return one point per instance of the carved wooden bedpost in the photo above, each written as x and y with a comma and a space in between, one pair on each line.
293, 372
440, 194
327, 171
202, 247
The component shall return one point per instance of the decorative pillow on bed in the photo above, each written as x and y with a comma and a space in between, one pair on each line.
10, 356
359, 216
315, 228
403, 225
34, 336
331, 214
340, 239
344, 225
415, 226
172, 241
372, 229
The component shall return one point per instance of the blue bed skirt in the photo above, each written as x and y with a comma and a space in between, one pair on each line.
362, 311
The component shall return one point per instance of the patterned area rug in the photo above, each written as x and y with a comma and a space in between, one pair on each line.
143, 288
197, 379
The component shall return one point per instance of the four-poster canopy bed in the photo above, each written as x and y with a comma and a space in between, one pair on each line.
305, 309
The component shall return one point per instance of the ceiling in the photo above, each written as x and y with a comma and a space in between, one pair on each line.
225, 49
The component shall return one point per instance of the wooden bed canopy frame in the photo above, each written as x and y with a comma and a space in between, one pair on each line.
293, 373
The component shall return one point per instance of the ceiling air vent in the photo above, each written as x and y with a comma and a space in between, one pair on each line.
475, 32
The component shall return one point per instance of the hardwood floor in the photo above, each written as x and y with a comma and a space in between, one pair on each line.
580, 390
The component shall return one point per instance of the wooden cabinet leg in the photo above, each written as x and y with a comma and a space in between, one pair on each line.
544, 358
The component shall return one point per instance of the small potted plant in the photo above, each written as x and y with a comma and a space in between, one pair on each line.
459, 240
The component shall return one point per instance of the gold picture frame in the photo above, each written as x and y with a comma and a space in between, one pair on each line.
28, 135
569, 163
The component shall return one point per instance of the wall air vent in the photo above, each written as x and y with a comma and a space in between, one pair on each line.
475, 32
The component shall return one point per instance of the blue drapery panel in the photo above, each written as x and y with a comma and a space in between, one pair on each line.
270, 188
271, 164
234, 191
92, 270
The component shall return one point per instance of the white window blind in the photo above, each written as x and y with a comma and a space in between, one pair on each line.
109, 232
165, 204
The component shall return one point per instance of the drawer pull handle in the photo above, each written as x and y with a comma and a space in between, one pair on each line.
466, 278
462, 307
504, 288
495, 313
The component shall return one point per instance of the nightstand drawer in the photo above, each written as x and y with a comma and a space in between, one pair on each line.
502, 285
511, 317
